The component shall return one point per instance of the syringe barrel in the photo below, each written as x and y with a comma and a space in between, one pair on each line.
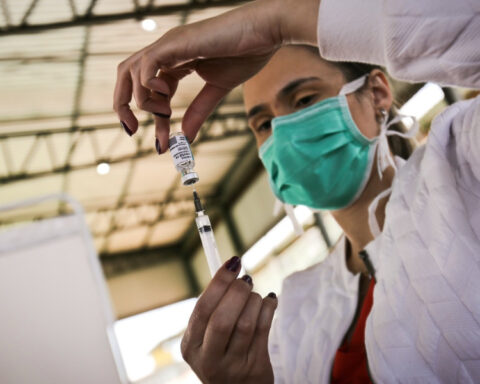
209, 244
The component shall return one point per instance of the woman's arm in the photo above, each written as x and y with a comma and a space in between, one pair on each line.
427, 40
224, 51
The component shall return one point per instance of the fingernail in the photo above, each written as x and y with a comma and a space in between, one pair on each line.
161, 93
157, 146
233, 264
162, 115
272, 295
126, 129
248, 279
190, 141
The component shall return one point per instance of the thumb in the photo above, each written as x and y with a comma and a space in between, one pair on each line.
200, 108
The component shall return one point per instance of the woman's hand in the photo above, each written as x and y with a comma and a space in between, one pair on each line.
225, 51
226, 340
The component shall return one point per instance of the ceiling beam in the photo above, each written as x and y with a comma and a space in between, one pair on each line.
232, 127
89, 18
177, 208
100, 127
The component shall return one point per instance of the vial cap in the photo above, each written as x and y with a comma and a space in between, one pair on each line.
189, 178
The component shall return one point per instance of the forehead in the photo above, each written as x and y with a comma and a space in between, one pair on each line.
288, 64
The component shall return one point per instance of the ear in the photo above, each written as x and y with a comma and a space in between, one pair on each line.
381, 92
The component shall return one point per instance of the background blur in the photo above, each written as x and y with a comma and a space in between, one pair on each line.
58, 133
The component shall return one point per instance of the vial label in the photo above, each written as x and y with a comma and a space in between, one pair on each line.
180, 150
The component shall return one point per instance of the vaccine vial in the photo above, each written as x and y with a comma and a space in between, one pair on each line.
183, 157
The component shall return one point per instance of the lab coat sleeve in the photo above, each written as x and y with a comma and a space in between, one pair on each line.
463, 118
416, 40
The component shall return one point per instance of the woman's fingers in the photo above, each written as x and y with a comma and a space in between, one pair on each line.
200, 108
245, 328
162, 122
121, 99
207, 303
224, 319
162, 133
259, 346
146, 102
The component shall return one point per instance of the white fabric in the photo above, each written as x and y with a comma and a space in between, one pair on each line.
315, 309
425, 322
428, 40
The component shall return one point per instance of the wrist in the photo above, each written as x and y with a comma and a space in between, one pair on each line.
298, 21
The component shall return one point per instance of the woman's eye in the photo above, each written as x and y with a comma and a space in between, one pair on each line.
304, 101
265, 126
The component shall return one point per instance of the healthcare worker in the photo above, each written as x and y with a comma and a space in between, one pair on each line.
424, 324
319, 165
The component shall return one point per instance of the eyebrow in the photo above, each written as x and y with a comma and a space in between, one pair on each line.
289, 88
256, 110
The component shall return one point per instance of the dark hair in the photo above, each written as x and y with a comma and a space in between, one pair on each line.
351, 71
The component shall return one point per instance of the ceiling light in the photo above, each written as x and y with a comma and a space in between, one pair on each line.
149, 24
103, 168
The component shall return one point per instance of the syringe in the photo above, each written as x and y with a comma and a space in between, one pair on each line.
206, 236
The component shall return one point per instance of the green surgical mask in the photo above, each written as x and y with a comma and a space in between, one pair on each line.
317, 156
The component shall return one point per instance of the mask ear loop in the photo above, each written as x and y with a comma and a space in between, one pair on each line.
289, 210
384, 158
353, 86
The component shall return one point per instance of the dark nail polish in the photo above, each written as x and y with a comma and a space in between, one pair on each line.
157, 146
272, 295
162, 115
233, 264
248, 279
126, 129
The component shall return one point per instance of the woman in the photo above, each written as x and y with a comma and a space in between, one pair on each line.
295, 82
424, 322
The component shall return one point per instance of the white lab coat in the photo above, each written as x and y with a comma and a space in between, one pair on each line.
424, 326
315, 309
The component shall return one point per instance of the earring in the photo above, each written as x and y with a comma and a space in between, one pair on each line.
384, 114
